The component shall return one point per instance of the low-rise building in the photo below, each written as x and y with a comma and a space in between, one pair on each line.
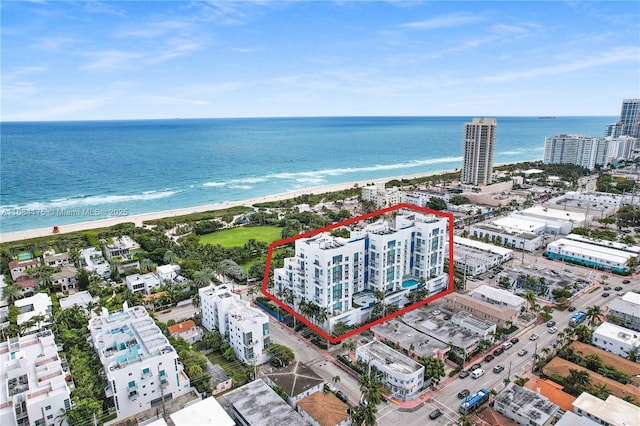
321, 409
92, 260
633, 249
57, 259
626, 311
590, 255
142, 283
65, 278
382, 197
498, 296
615, 339
256, 404
187, 331
402, 375
168, 272
33, 382
19, 268
28, 286
219, 380
445, 331
140, 365
297, 381
39, 305
482, 310
202, 413
613, 411
120, 247
483, 329
525, 406
412, 342
81, 299
506, 237
504, 253
472, 262
246, 326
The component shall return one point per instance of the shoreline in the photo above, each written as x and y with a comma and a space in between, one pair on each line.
138, 219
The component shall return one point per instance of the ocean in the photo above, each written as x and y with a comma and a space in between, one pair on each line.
56, 173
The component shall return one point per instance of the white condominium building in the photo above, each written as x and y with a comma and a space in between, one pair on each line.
339, 275
580, 150
33, 386
140, 365
245, 327
381, 196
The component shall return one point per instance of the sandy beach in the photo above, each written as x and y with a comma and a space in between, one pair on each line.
140, 218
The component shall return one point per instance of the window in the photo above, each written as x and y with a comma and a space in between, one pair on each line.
48, 407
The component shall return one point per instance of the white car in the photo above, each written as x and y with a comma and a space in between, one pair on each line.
534, 336
553, 330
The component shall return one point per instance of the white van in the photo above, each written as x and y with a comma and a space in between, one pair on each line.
506, 345
477, 373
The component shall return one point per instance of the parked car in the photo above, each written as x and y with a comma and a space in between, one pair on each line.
342, 397
534, 336
507, 345
605, 294
463, 394
330, 387
498, 351
522, 352
606, 288
498, 369
551, 323
463, 374
475, 366
626, 282
618, 288
515, 340
435, 414
571, 308
553, 330
488, 358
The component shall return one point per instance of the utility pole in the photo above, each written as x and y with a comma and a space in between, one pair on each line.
535, 352
164, 408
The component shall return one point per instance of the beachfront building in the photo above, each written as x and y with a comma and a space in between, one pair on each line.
591, 255
613, 411
19, 268
584, 151
245, 327
479, 146
142, 283
402, 375
92, 260
57, 259
498, 296
140, 365
615, 339
382, 197
629, 121
338, 276
33, 381
524, 406
120, 247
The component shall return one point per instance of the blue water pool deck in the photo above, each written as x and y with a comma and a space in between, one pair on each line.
409, 283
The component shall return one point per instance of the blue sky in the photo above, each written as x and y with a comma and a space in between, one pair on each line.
64, 60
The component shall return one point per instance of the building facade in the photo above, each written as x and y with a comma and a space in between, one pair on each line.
630, 117
615, 339
590, 255
141, 367
525, 406
626, 310
611, 412
584, 151
334, 273
244, 327
33, 388
402, 375
479, 146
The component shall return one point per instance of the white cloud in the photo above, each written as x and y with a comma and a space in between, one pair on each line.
108, 60
444, 21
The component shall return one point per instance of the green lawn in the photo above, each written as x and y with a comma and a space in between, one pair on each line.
237, 237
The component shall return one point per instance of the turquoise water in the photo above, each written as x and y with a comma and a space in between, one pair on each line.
409, 283
54, 173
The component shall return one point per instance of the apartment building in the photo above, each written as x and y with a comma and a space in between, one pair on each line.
615, 339
141, 367
478, 150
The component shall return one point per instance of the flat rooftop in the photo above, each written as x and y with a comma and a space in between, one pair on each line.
440, 329
398, 332
468, 242
388, 357
490, 294
580, 248
613, 410
526, 403
205, 412
260, 405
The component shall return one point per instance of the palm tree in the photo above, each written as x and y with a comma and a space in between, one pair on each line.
633, 354
335, 379
600, 390
371, 389
577, 380
74, 255
195, 301
147, 265
203, 277
594, 315
11, 293
170, 257
530, 297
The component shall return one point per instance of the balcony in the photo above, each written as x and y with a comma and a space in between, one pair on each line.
133, 395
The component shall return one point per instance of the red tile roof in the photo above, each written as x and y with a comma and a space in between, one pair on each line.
553, 391
181, 327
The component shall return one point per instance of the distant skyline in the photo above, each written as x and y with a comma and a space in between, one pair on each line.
177, 59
